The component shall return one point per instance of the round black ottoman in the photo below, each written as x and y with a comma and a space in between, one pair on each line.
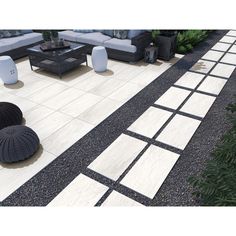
10, 114
17, 143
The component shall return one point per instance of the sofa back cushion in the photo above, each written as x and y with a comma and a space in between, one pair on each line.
9, 33
26, 31
134, 33
83, 30
120, 34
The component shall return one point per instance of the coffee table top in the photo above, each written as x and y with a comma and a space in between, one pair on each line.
58, 52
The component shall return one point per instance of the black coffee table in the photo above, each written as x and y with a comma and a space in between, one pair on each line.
60, 60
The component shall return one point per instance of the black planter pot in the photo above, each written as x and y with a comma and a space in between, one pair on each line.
167, 46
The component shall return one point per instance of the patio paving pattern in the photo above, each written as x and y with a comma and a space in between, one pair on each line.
147, 122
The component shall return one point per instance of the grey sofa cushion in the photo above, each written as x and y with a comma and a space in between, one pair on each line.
20, 41
4, 47
121, 44
26, 31
31, 38
69, 35
95, 38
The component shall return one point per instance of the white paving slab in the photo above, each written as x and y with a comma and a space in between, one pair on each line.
221, 46
36, 114
148, 174
229, 58
228, 39
223, 70
212, 55
100, 111
12, 176
233, 49
179, 131
212, 85
117, 157
232, 33
108, 87
150, 122
63, 98
47, 93
126, 92
203, 66
50, 124
82, 191
190, 80
116, 199
66, 136
173, 97
198, 104
81, 104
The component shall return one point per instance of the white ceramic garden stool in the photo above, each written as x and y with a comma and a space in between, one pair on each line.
99, 59
8, 70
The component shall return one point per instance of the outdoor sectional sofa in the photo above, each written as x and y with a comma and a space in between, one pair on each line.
15, 47
130, 49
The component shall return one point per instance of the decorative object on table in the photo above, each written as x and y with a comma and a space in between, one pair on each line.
17, 143
99, 59
120, 34
10, 114
54, 45
166, 42
151, 54
50, 35
8, 70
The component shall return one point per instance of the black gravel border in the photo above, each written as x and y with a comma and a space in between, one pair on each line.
50, 181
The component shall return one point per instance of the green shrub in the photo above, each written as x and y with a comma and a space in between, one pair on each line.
186, 40
216, 186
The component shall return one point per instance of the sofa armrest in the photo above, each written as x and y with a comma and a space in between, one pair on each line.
142, 40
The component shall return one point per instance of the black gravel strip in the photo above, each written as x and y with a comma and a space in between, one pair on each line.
176, 190
49, 182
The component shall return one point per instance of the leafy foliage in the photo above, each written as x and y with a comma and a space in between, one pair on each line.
48, 35
186, 40
216, 186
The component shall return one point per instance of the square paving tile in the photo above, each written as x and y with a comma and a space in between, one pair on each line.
117, 157
213, 55
228, 39
179, 131
118, 199
150, 122
82, 191
12, 176
148, 174
65, 137
229, 58
203, 66
221, 46
81, 104
198, 104
223, 70
233, 49
190, 80
212, 85
232, 33
173, 97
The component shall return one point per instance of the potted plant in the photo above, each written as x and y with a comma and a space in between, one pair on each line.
166, 41
46, 34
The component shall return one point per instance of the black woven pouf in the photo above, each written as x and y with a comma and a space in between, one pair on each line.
10, 114
17, 143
